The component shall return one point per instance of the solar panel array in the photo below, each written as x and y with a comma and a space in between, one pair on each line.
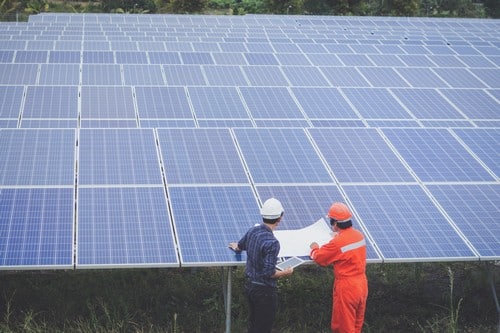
152, 140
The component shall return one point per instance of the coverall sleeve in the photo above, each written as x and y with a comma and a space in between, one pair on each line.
326, 254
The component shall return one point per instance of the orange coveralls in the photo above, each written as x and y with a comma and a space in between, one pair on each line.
347, 253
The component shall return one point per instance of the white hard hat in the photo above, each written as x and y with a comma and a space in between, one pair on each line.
271, 209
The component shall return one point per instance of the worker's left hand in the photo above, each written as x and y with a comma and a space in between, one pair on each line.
313, 245
233, 246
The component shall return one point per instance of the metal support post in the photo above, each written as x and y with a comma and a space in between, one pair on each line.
227, 296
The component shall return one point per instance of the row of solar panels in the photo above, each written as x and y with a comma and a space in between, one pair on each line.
401, 60
250, 106
266, 20
256, 34
208, 156
134, 197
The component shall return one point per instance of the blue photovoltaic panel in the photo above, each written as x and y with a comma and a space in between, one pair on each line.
131, 57
107, 102
200, 156
232, 58
36, 228
382, 77
98, 57
459, 78
265, 76
64, 57
344, 77
421, 77
427, 104
304, 76
10, 101
323, 103
143, 75
324, 59
118, 156
18, 73
292, 59
490, 76
185, 75
376, 103
37, 157
484, 143
6, 56
359, 155
281, 156
51, 102
195, 58
304, 205
405, 224
474, 209
124, 227
35, 57
59, 74
222, 215
109, 75
434, 155
217, 102
52, 123
225, 76
162, 102
261, 59
474, 103
355, 60
164, 57
270, 103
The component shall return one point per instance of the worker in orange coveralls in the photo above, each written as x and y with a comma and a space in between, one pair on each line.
347, 253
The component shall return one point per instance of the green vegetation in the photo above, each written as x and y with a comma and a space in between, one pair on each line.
20, 9
430, 297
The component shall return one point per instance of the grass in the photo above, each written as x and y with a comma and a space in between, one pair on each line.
430, 297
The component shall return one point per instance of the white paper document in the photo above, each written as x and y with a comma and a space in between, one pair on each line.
296, 242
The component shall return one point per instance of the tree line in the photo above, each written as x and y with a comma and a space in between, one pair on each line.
431, 8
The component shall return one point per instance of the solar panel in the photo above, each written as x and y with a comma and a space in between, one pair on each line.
475, 210
217, 102
37, 157
484, 144
222, 215
305, 76
281, 156
124, 227
51, 102
376, 103
36, 228
99, 149
107, 102
161, 117
270, 103
200, 156
434, 155
427, 104
10, 101
397, 218
359, 155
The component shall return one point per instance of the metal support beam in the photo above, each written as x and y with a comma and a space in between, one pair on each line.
494, 291
227, 295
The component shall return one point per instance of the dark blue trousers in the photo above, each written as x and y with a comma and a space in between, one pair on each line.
262, 301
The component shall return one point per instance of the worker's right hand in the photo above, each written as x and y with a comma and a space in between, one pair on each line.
287, 272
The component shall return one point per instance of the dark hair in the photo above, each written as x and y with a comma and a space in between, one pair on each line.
271, 221
341, 225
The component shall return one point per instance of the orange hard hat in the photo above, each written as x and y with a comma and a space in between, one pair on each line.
339, 212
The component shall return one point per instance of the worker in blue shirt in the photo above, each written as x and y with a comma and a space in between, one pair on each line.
261, 273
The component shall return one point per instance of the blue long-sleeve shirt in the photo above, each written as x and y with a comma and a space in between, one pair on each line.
262, 254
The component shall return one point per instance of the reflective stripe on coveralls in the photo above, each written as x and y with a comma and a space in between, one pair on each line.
347, 253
